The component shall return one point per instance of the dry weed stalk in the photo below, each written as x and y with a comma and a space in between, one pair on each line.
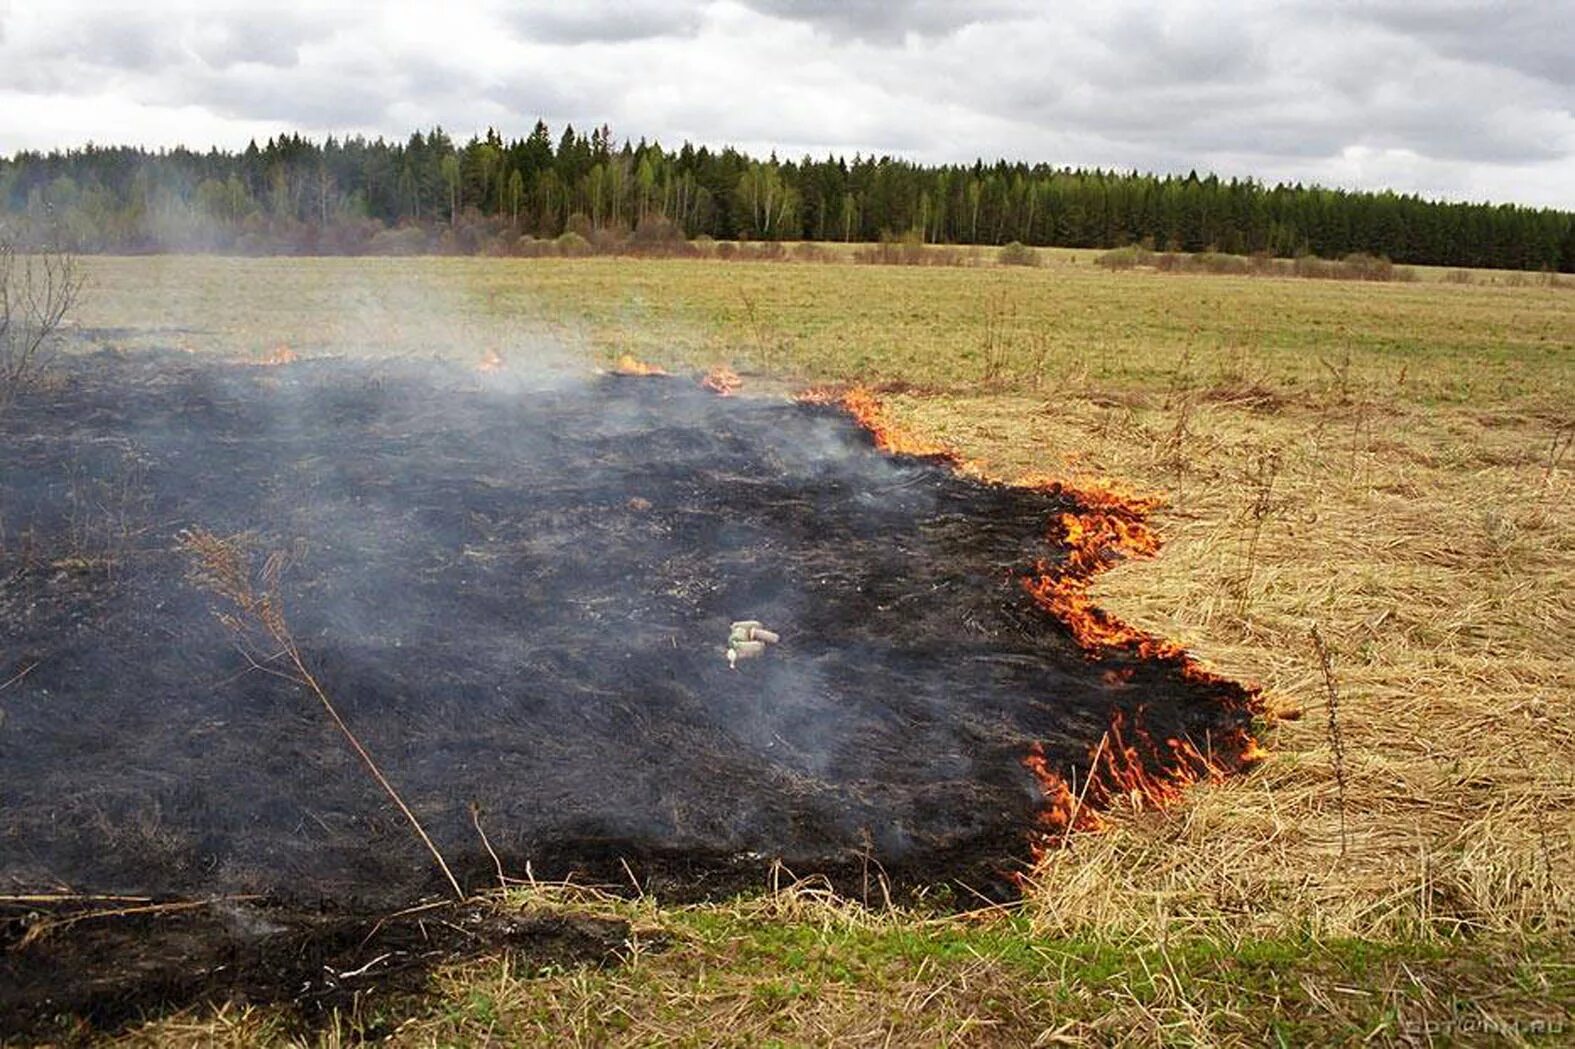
1263, 473
256, 621
1340, 375
1558, 449
1336, 740
1043, 347
997, 344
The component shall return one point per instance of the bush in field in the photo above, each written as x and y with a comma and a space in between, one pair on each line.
908, 249
608, 241
401, 240
529, 247
809, 251
1359, 265
572, 245
1017, 254
660, 237
1125, 258
38, 291
1219, 262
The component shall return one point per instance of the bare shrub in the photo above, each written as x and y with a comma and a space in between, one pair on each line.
529, 247
659, 237
1359, 265
402, 240
1131, 256
763, 251
908, 249
38, 291
1314, 268
572, 245
1017, 254
1220, 262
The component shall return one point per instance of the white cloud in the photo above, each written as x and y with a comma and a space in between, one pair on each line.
1458, 99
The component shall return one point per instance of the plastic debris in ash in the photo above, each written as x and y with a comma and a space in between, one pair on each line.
747, 639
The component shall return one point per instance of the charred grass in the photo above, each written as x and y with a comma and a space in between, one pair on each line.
1417, 515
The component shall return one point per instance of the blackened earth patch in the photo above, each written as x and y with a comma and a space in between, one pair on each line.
519, 596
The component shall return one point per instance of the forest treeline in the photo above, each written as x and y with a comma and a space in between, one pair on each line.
430, 193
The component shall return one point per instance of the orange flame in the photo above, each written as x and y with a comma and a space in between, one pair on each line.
722, 381
867, 410
280, 354
1107, 526
491, 361
628, 364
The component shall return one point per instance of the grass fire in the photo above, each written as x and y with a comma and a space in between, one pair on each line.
514, 596
367, 653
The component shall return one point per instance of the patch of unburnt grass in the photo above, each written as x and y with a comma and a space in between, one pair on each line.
798, 964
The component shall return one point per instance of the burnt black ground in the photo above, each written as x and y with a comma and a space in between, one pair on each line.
90, 975
518, 592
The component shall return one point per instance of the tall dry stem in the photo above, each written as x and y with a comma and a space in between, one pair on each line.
1336, 740
257, 621
1264, 472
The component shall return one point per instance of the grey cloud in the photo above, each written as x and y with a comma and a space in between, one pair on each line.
1306, 85
124, 40
1533, 38
271, 40
879, 21
604, 21
324, 102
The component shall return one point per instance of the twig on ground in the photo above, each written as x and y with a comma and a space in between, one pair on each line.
18, 676
475, 819
48, 925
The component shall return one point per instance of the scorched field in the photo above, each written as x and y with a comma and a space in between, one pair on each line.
1147, 658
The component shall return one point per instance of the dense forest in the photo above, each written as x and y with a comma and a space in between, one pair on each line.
430, 193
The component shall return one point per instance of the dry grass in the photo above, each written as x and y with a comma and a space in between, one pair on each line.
1440, 570
1417, 514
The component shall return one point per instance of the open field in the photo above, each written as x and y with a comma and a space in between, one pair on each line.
1390, 463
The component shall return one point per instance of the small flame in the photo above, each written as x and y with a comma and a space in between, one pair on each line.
491, 361
628, 364
722, 381
280, 354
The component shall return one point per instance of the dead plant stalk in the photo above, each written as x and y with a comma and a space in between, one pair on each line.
219, 566
1336, 740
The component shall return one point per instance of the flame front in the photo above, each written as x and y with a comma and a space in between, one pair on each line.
629, 364
280, 354
1128, 765
867, 410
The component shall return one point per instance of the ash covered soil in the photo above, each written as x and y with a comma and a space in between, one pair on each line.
518, 593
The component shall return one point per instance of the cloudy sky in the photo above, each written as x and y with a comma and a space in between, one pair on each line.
1468, 99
